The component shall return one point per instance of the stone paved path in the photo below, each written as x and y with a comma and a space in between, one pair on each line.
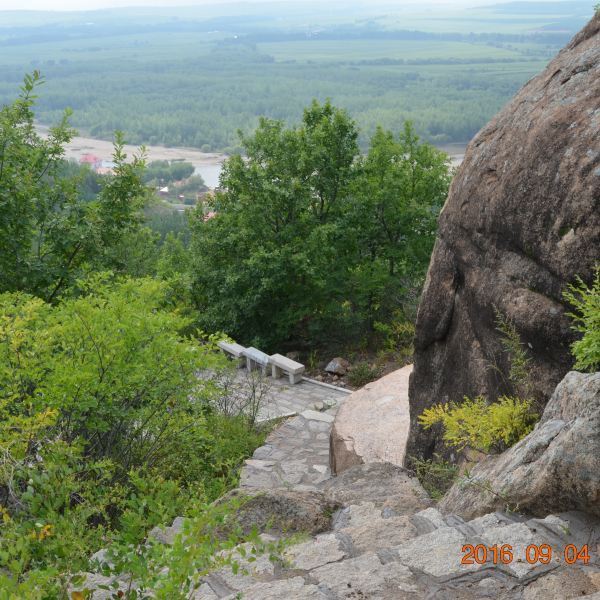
295, 455
284, 399
279, 398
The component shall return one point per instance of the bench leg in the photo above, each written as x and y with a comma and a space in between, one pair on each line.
248, 364
276, 372
295, 378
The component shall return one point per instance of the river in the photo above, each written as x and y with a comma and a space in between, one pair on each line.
207, 164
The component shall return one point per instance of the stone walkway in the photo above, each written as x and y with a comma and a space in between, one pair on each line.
285, 400
295, 455
276, 398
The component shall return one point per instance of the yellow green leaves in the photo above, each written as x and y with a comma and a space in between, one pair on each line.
586, 320
480, 425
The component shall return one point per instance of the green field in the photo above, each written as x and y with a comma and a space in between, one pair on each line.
361, 50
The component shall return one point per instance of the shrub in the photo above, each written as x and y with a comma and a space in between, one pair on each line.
586, 301
105, 429
363, 373
518, 374
480, 425
436, 475
397, 335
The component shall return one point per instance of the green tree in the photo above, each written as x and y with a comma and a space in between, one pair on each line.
266, 268
398, 192
48, 235
311, 243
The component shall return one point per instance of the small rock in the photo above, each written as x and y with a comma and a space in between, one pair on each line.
338, 366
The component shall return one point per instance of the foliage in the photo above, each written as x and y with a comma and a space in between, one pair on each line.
397, 335
482, 426
195, 184
165, 219
310, 242
362, 373
164, 172
436, 475
105, 430
586, 320
518, 374
48, 235
210, 538
177, 84
399, 190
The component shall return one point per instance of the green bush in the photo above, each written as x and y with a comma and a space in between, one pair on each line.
586, 301
105, 429
436, 475
397, 334
482, 426
363, 373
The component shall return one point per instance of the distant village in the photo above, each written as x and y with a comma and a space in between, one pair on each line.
98, 165
181, 194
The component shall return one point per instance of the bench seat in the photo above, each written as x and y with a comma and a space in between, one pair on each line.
232, 348
256, 359
280, 364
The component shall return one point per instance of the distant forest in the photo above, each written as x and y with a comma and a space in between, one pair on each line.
198, 78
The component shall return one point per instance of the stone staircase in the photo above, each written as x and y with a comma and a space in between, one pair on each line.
388, 542
384, 539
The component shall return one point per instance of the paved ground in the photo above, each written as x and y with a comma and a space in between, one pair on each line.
295, 455
284, 399
272, 398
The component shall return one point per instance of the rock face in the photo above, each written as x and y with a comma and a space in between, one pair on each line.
372, 424
556, 467
522, 218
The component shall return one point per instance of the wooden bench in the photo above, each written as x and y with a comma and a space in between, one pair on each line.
255, 359
234, 350
280, 364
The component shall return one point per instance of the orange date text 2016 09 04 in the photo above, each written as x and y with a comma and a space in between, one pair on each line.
534, 553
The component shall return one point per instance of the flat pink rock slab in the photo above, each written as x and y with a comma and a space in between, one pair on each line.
372, 424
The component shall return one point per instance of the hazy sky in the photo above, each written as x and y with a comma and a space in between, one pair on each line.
94, 4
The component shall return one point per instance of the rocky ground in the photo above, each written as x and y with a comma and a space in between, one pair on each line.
373, 532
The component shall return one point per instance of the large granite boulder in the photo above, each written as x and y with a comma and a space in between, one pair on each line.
372, 424
522, 218
555, 468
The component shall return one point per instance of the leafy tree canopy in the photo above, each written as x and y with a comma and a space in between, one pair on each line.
313, 243
48, 236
